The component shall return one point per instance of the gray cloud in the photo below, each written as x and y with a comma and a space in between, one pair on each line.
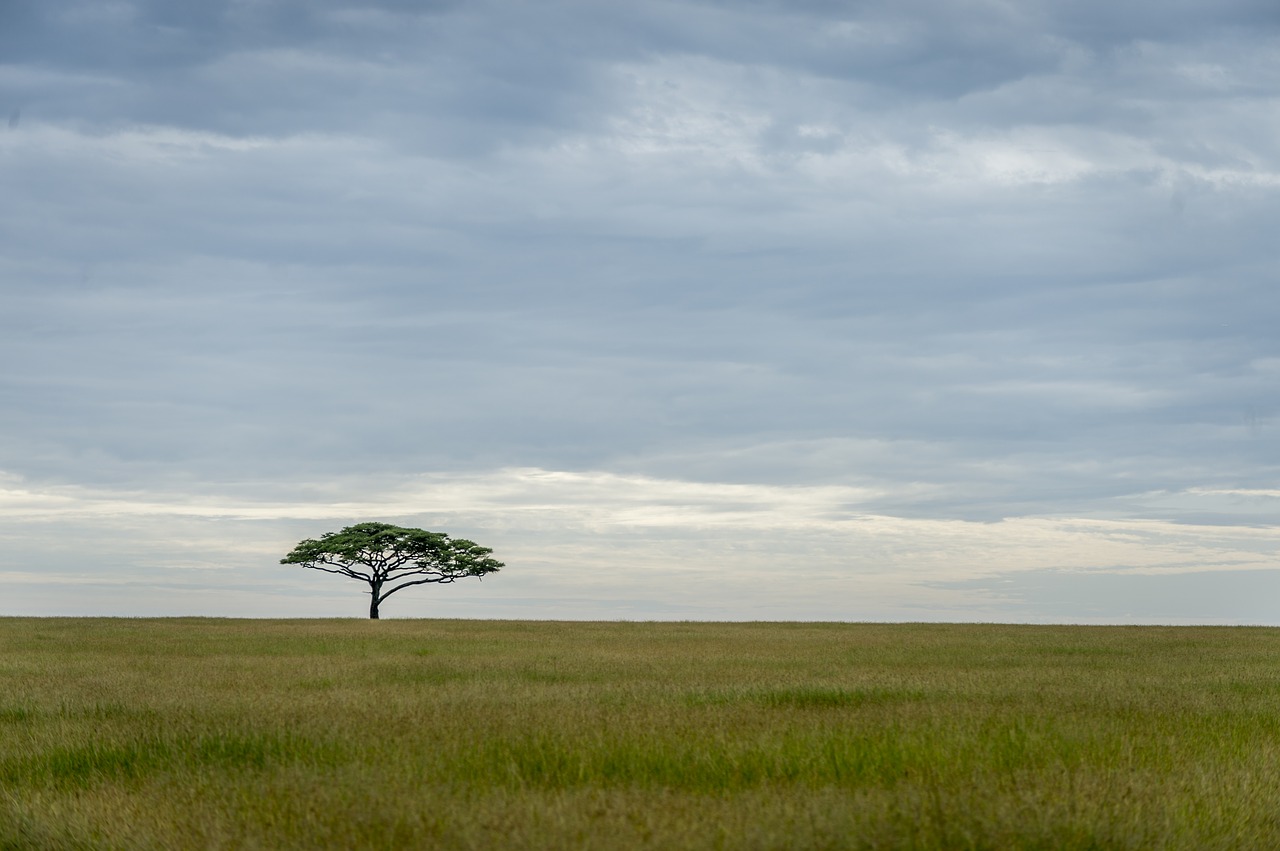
982, 261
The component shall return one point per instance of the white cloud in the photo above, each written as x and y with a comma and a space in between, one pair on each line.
651, 537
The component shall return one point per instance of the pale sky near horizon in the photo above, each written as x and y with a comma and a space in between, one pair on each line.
879, 310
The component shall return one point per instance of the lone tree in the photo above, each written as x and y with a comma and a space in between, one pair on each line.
393, 557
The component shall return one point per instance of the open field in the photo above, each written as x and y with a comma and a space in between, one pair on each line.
472, 734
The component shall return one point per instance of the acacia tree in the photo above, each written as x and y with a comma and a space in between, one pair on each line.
392, 557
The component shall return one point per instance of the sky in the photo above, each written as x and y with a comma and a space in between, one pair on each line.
924, 310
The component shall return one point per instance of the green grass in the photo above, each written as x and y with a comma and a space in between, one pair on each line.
189, 733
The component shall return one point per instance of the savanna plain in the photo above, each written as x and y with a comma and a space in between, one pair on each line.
206, 733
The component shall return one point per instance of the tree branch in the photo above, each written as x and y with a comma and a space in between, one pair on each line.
422, 570
343, 568
444, 579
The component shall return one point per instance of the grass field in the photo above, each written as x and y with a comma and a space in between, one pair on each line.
180, 733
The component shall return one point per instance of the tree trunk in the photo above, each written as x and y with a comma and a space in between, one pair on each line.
373, 603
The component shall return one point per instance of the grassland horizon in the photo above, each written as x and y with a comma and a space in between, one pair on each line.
351, 733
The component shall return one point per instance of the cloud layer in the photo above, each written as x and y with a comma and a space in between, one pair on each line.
962, 269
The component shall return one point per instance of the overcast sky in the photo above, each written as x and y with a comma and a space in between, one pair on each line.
923, 310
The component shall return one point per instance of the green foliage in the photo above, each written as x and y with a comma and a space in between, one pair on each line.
390, 558
330, 734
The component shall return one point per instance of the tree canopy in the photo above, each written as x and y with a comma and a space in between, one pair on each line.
390, 558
